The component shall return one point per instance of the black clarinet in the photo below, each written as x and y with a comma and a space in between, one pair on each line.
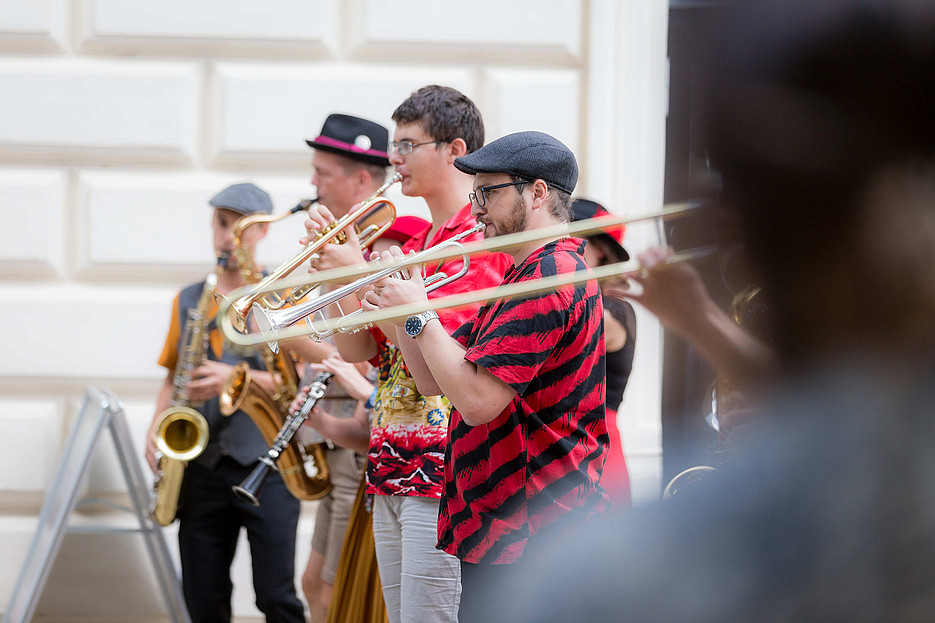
249, 489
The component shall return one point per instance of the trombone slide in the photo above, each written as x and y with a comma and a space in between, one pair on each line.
500, 243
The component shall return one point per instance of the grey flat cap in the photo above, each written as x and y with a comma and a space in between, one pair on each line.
244, 198
532, 155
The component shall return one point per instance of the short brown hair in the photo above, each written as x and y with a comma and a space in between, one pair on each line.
445, 113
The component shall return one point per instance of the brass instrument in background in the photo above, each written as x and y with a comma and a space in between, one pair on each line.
241, 391
280, 455
303, 468
744, 310
356, 321
181, 432
371, 218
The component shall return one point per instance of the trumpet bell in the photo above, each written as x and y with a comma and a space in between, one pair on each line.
264, 323
238, 319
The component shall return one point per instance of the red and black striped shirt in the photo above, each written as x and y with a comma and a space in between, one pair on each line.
534, 468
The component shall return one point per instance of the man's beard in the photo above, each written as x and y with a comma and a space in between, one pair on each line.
515, 221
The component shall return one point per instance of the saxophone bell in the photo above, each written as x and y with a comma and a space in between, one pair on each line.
181, 435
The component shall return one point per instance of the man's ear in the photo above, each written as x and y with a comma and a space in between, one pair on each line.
363, 178
456, 149
540, 193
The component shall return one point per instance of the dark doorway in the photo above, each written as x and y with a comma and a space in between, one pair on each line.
687, 440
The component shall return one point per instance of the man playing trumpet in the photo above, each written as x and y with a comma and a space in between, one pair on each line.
435, 125
525, 376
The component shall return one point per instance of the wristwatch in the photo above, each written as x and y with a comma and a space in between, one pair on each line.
415, 324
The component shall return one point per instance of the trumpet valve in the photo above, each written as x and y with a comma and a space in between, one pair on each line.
338, 238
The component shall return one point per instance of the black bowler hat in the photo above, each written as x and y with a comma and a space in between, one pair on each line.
584, 209
354, 138
530, 155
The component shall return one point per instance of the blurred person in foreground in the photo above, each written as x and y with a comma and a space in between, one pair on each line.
821, 124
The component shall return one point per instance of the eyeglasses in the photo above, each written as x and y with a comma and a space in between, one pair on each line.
404, 148
479, 196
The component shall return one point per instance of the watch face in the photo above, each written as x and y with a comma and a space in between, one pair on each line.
413, 325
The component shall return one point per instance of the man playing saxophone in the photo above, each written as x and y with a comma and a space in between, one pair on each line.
210, 515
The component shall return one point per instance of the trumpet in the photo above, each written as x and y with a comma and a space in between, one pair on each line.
355, 321
270, 321
249, 489
371, 218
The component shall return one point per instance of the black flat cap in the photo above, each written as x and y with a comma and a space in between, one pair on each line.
531, 155
244, 198
355, 138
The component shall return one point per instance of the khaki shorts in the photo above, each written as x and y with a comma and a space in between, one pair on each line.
334, 510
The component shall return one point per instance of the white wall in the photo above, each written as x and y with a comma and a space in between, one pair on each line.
120, 118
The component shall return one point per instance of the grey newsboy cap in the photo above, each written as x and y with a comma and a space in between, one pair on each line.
531, 155
244, 198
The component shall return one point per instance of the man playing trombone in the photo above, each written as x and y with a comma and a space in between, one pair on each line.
525, 376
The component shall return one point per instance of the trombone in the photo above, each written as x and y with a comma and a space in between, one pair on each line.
356, 321
372, 217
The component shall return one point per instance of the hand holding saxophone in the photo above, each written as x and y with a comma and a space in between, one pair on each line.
152, 454
207, 380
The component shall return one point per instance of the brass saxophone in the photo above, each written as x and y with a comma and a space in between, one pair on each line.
303, 469
182, 432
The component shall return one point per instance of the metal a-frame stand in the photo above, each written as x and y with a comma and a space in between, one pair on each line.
100, 410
